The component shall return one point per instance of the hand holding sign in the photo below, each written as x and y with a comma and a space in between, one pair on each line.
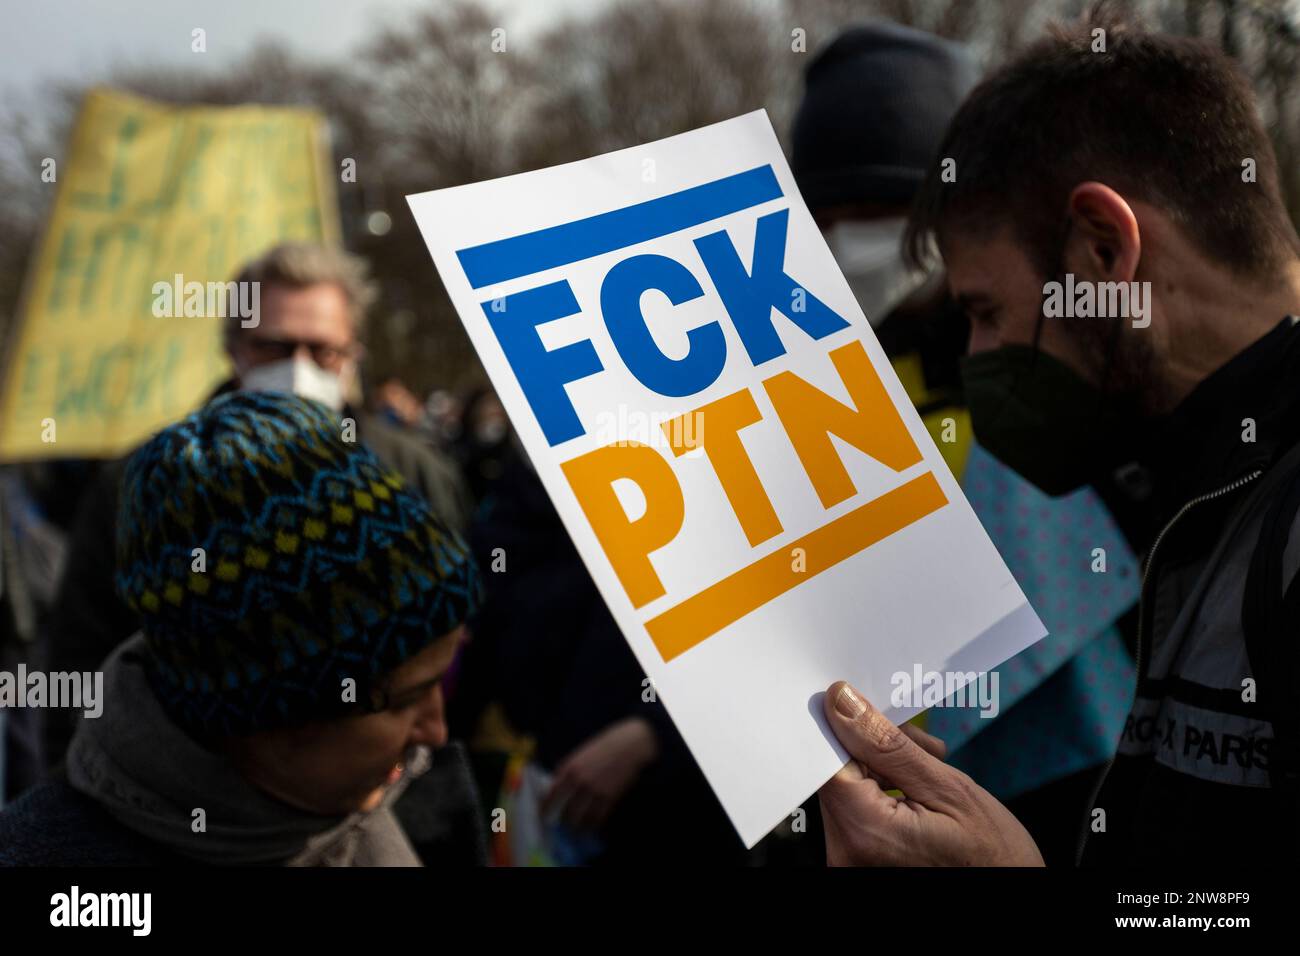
943, 819
817, 533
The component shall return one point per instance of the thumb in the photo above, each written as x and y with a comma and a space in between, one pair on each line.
888, 752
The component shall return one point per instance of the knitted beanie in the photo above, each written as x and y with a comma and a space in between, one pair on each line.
876, 105
316, 565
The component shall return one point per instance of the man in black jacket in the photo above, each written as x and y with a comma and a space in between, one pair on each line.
1108, 209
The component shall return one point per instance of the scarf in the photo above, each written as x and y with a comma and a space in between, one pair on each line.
151, 776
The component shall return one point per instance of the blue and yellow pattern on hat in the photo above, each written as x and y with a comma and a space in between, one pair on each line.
270, 559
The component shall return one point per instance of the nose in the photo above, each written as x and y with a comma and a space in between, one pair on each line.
430, 727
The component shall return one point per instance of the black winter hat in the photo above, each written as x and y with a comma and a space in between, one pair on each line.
875, 107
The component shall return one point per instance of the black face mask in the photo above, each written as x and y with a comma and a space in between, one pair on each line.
1041, 419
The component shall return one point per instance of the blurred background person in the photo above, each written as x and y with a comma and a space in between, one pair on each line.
876, 101
34, 516
609, 775
483, 443
396, 404
444, 409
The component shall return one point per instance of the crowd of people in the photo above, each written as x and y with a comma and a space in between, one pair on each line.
391, 637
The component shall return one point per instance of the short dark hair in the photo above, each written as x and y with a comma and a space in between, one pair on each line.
1164, 119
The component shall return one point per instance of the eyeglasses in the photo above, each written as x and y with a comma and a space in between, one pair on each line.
328, 357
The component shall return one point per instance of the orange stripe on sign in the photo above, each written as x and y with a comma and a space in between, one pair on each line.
680, 628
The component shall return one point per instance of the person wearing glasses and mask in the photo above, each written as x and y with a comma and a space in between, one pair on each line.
306, 342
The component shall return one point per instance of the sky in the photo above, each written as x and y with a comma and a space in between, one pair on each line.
53, 40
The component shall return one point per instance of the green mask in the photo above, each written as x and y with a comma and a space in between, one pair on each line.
1039, 418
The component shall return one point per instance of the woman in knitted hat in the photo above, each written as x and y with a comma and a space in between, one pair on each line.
299, 610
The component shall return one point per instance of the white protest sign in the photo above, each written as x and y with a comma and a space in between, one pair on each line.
727, 444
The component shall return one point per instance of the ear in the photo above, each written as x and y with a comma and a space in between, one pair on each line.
1105, 243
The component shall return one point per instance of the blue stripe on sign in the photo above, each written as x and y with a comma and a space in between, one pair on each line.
583, 238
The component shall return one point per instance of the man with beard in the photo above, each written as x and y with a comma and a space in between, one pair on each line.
1105, 154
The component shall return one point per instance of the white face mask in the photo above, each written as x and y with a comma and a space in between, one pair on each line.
869, 254
295, 376
491, 431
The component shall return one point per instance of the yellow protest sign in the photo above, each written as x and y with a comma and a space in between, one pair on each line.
149, 194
